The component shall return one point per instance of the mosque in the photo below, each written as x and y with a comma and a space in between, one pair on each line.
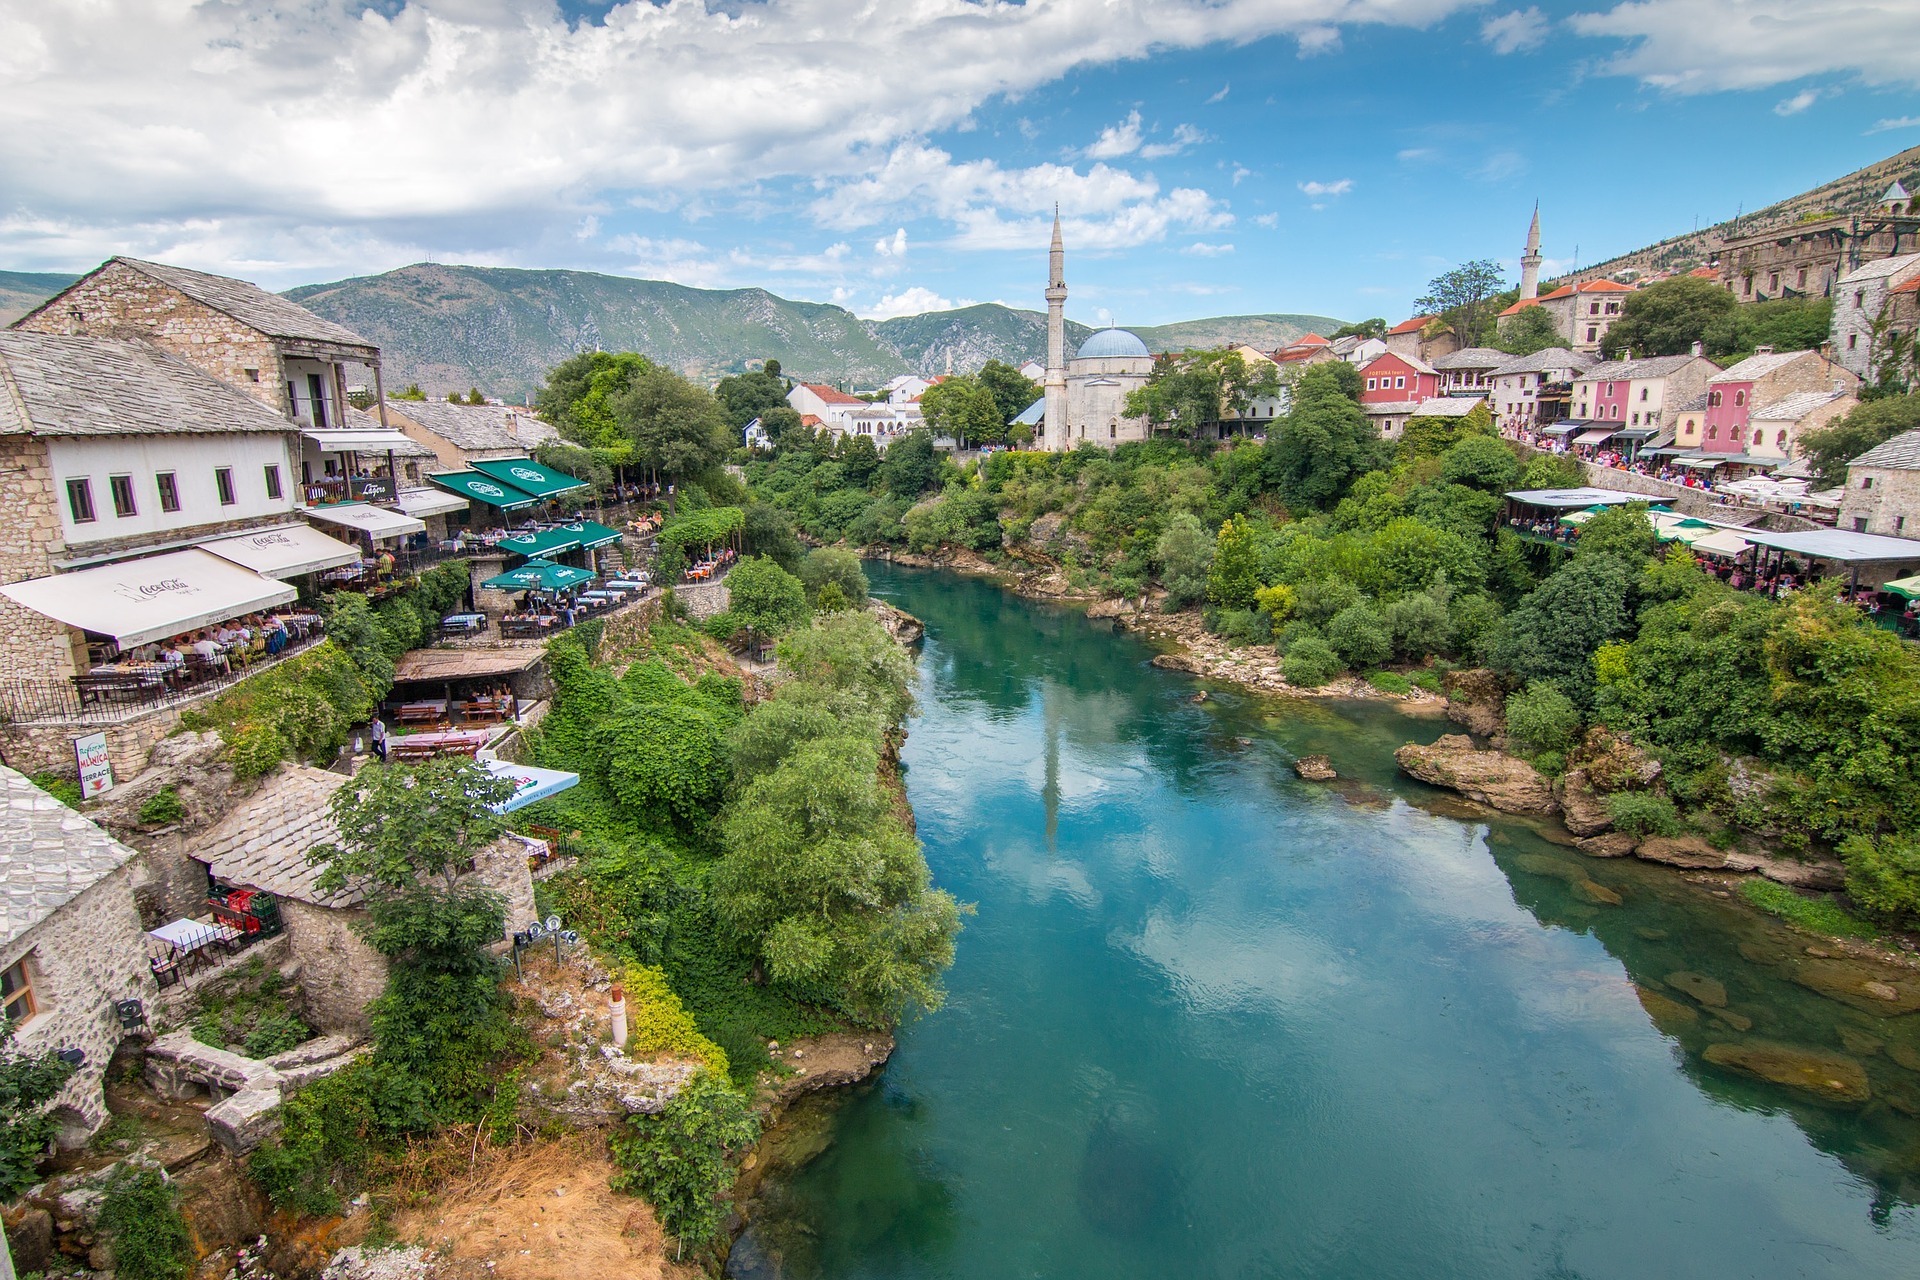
1086, 397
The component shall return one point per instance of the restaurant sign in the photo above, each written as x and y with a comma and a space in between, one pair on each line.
373, 488
96, 771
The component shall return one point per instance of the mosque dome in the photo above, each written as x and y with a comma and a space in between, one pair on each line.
1112, 344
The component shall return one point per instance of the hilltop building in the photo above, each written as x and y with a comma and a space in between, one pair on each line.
1875, 316
1807, 259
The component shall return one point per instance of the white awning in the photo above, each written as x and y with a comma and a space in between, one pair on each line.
356, 440
378, 521
285, 552
136, 601
1594, 436
1721, 542
430, 502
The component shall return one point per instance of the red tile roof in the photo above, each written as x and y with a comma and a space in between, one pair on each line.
1520, 306
1705, 273
1911, 286
1414, 325
832, 395
1310, 340
1604, 286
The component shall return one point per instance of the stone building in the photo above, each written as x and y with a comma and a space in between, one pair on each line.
263, 844
1874, 316
1625, 394
1807, 259
120, 450
1533, 391
71, 946
460, 435
1085, 398
1882, 493
1737, 396
1469, 372
1423, 338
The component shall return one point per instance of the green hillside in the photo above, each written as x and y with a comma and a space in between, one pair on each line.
1263, 331
22, 291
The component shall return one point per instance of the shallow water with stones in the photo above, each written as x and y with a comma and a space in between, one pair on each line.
1212, 1020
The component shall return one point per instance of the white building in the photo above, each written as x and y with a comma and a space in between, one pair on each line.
1517, 384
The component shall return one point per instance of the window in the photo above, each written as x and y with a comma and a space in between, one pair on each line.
1739, 398
1853, 340
121, 487
1803, 277
253, 375
318, 390
1593, 334
1756, 437
1371, 382
1899, 524
1609, 388
1643, 393
1400, 382
1636, 419
1713, 433
1616, 413
1773, 282
169, 491
1713, 399
16, 994
1613, 308
1866, 482
223, 481
80, 500
1746, 285
1593, 309
1780, 440
1859, 297
1859, 524
273, 482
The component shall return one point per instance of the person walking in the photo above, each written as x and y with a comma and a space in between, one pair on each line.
380, 738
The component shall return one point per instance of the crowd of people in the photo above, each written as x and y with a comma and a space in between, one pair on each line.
217, 649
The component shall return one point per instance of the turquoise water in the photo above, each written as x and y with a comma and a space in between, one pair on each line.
1214, 1021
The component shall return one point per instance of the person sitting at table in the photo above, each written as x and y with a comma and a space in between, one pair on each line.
209, 651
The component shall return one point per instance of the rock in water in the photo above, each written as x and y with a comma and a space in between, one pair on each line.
1825, 1075
1690, 852
1668, 1014
1582, 809
1315, 768
1615, 844
1708, 991
1879, 989
1492, 778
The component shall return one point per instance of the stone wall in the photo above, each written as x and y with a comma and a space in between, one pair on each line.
31, 538
48, 747
81, 959
340, 975
1890, 504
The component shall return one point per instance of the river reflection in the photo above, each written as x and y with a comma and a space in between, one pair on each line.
1215, 1021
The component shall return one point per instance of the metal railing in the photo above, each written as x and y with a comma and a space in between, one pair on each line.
111, 699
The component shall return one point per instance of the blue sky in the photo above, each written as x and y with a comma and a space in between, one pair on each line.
1209, 156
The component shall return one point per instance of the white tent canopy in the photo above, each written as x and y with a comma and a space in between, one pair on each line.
1721, 542
377, 521
285, 552
136, 601
429, 502
358, 440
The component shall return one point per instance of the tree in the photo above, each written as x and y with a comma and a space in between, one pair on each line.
1185, 554
581, 464
676, 428
1235, 573
836, 567
1374, 328
785, 427
1461, 299
1360, 636
1553, 633
27, 1083
578, 397
1785, 324
474, 396
399, 824
1623, 532
1481, 462
767, 531
1013, 392
764, 598
1667, 317
412, 391
1541, 718
1430, 437
910, 465
666, 761
964, 410
1872, 423
1325, 442
860, 458
746, 396
680, 1160
1193, 389
1528, 330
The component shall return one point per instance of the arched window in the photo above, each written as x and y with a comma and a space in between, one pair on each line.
1781, 440
1739, 398
1756, 437
1713, 433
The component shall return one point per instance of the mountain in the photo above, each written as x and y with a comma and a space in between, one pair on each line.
1856, 192
970, 336
22, 291
448, 327
1266, 332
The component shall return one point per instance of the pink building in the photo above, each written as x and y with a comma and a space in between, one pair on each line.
1397, 378
1761, 381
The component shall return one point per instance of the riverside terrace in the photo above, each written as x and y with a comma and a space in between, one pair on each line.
1876, 573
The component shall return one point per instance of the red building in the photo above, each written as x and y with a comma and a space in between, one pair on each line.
1397, 377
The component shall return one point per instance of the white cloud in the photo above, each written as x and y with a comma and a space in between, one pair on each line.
1117, 140
1797, 103
910, 302
1516, 32
1201, 249
1317, 40
1240, 174
1338, 188
894, 246
496, 125
1184, 136
1896, 122
1270, 221
1220, 96
1700, 46
1415, 155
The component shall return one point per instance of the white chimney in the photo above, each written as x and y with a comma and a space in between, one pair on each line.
1763, 351
1699, 348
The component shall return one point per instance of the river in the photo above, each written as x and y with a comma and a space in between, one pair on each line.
1215, 1021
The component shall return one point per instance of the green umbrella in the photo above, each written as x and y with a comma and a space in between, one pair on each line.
1908, 587
538, 575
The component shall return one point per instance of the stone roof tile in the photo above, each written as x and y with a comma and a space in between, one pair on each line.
49, 855
268, 313
264, 842
70, 385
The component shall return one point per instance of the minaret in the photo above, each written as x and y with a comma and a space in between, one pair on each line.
1056, 424
1530, 260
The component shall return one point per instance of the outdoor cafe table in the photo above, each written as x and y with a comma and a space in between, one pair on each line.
418, 746
425, 711
188, 936
464, 622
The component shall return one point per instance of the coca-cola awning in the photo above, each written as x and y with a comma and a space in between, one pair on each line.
284, 552
136, 601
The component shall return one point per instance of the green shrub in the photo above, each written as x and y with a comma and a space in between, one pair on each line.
1883, 876
140, 1216
1428, 680
62, 787
1242, 626
679, 1161
1816, 914
27, 1084
657, 1023
1390, 682
1551, 763
1359, 635
1286, 637
1541, 718
162, 808
1643, 813
256, 751
1310, 663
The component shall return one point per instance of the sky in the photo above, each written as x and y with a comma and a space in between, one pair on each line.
1208, 157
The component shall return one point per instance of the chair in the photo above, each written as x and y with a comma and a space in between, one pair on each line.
166, 970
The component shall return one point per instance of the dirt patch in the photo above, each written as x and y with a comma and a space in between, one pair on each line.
542, 1211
